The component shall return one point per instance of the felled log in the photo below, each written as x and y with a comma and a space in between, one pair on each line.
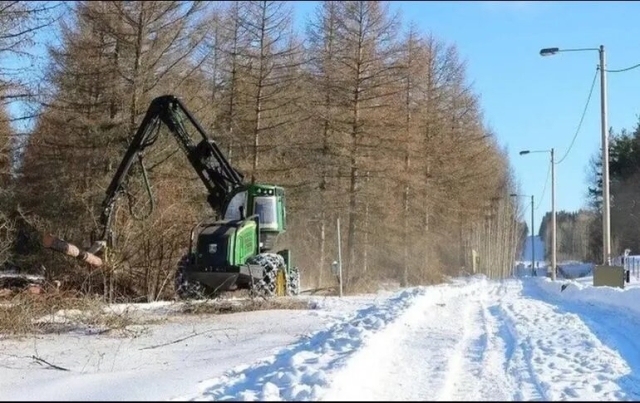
68, 249
18, 281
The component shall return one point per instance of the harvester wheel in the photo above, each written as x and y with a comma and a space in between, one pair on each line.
271, 262
186, 289
293, 282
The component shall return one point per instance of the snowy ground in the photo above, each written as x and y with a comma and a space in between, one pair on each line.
473, 339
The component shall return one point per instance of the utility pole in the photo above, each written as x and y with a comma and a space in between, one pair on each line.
533, 246
553, 217
553, 209
533, 243
606, 223
606, 218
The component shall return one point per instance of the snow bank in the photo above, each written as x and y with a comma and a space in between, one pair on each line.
299, 371
614, 297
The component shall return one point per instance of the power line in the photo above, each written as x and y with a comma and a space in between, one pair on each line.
525, 211
544, 189
621, 70
584, 112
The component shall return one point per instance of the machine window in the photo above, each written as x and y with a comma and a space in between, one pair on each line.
266, 209
233, 209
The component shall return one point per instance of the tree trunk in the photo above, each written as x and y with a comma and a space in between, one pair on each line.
322, 248
365, 243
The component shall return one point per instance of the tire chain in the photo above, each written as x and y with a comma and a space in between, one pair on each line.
293, 282
271, 262
266, 286
186, 289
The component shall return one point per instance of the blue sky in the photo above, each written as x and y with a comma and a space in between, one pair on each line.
535, 102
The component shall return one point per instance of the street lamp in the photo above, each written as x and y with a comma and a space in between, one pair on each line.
533, 245
553, 208
606, 223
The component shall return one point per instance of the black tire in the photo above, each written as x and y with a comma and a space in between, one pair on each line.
187, 289
271, 263
293, 282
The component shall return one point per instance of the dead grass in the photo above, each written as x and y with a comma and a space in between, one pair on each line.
323, 292
61, 312
55, 313
226, 306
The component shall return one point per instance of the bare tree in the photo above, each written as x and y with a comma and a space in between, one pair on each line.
323, 53
6, 224
365, 39
145, 50
380, 129
268, 56
19, 23
412, 61
231, 42
6, 138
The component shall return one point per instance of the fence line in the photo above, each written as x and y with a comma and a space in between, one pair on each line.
631, 263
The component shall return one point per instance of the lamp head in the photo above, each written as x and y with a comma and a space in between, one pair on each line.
549, 51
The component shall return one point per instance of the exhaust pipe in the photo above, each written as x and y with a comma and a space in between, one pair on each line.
68, 249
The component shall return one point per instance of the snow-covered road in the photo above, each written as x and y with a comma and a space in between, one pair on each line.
473, 339
447, 349
497, 342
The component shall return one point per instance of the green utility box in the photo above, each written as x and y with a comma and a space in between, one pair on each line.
612, 276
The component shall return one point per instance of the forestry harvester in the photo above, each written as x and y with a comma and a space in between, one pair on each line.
229, 251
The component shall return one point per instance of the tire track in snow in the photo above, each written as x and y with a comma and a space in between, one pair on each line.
518, 360
449, 350
515, 364
408, 360
558, 357
470, 347
482, 373
492, 360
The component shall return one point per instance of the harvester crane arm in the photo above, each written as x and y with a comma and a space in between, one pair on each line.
215, 171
